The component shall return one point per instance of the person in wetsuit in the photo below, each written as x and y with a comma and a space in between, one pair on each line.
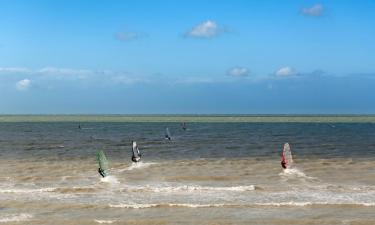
283, 162
136, 159
101, 172
136, 153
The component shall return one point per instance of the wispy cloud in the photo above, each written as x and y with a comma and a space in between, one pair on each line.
129, 36
52, 71
64, 72
285, 72
314, 11
126, 79
207, 29
23, 85
54, 75
238, 72
14, 70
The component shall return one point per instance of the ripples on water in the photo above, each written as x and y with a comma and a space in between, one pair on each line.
212, 173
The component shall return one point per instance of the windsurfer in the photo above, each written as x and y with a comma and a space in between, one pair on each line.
101, 172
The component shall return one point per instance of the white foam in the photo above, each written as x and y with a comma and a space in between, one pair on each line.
27, 190
198, 205
274, 204
189, 188
368, 204
105, 221
350, 188
187, 205
138, 165
109, 179
294, 172
312, 203
15, 218
203, 188
287, 204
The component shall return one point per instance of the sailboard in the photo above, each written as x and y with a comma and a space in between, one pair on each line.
103, 163
287, 157
136, 153
167, 134
183, 126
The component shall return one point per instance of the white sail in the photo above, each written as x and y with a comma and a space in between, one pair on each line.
167, 134
136, 153
287, 155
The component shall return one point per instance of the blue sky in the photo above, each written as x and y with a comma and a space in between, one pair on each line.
187, 57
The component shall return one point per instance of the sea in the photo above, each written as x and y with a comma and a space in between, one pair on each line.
210, 173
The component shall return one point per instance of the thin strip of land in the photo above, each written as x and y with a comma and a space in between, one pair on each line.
193, 118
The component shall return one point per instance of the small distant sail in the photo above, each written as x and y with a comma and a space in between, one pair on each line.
183, 126
287, 158
167, 134
136, 153
103, 163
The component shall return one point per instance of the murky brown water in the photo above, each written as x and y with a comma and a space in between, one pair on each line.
209, 174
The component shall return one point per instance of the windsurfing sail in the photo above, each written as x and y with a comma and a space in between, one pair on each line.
167, 134
183, 125
103, 163
287, 157
136, 153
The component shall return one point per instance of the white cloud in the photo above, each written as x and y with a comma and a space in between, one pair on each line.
64, 72
285, 72
314, 11
238, 72
207, 29
51, 71
129, 36
14, 70
125, 79
23, 85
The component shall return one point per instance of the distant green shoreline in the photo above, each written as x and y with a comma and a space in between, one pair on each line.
193, 118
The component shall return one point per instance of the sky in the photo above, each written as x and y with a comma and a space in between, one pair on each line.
187, 57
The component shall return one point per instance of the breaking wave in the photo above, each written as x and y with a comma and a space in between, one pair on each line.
15, 218
105, 221
188, 188
270, 204
138, 165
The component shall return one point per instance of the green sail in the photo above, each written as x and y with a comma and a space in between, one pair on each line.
102, 160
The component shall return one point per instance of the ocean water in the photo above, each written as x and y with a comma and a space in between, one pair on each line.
212, 173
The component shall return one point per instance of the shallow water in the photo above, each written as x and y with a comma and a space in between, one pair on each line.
213, 173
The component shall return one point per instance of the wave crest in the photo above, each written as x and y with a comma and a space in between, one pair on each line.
15, 218
189, 188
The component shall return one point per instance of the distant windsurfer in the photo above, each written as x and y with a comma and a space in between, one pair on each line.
79, 126
183, 125
167, 134
136, 153
103, 163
